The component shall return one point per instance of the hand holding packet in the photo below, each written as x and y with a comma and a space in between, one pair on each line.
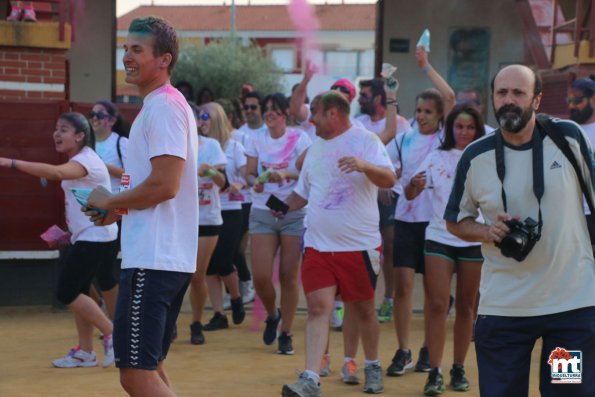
264, 177
82, 196
55, 237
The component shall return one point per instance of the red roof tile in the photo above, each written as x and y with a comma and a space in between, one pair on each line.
333, 17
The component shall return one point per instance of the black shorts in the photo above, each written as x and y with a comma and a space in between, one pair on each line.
453, 254
221, 263
148, 305
246, 217
81, 263
209, 230
387, 212
408, 245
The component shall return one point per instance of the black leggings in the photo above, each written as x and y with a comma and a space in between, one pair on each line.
81, 263
221, 262
239, 259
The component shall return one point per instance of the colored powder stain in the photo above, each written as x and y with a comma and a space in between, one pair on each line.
286, 153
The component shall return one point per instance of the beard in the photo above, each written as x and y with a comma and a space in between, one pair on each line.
512, 118
367, 108
581, 116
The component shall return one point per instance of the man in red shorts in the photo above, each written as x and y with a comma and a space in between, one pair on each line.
339, 181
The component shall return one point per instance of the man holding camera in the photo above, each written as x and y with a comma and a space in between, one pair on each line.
538, 275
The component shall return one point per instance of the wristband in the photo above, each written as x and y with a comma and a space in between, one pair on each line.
427, 68
13, 164
391, 102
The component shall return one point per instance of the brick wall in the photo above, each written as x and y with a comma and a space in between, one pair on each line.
31, 73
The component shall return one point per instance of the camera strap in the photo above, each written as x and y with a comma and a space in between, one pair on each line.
538, 181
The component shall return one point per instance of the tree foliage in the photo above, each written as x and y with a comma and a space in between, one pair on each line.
224, 66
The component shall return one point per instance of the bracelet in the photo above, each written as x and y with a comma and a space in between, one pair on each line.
13, 164
392, 102
427, 68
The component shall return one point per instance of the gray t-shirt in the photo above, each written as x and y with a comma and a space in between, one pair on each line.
559, 273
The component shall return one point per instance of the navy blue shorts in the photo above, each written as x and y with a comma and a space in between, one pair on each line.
148, 305
504, 345
408, 245
387, 212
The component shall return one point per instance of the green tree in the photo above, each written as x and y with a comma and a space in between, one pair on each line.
224, 66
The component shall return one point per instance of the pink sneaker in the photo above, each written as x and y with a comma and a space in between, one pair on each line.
29, 14
15, 14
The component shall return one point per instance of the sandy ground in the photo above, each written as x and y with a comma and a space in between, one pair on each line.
232, 363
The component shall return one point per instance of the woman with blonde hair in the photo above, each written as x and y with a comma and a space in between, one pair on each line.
221, 267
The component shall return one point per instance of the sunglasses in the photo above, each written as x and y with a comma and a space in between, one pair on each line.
575, 100
341, 89
251, 107
204, 116
99, 115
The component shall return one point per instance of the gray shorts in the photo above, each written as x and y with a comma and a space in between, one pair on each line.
264, 222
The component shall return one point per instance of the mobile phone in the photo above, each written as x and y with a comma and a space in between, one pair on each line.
277, 204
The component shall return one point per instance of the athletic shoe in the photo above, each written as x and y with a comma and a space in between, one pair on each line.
373, 383
285, 344
29, 14
337, 318
237, 310
304, 387
15, 14
385, 313
458, 381
435, 383
325, 366
270, 330
349, 373
401, 362
108, 350
218, 321
226, 301
196, 335
76, 358
423, 361
247, 291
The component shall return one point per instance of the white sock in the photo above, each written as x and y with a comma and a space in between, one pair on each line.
347, 359
312, 375
369, 363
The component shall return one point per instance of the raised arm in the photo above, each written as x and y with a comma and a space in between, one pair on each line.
441, 85
297, 107
390, 128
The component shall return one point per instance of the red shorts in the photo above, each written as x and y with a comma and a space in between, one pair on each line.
353, 272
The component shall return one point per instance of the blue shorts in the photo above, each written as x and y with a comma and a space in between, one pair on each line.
504, 345
148, 305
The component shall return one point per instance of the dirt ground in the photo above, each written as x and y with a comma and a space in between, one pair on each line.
232, 363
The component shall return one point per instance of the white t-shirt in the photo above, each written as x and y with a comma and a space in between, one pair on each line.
163, 237
108, 151
78, 223
342, 213
276, 154
242, 135
440, 167
209, 152
415, 147
236, 159
378, 127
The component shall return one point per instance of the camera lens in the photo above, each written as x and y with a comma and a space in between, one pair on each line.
513, 243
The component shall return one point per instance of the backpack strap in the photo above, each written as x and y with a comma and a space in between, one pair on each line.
544, 122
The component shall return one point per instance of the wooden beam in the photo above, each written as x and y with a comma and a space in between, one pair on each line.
532, 39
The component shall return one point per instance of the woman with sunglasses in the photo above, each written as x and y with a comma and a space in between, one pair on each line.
112, 147
211, 178
446, 254
271, 170
221, 267
92, 246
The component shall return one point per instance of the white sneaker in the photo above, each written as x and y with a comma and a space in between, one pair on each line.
247, 291
337, 315
226, 302
108, 349
76, 358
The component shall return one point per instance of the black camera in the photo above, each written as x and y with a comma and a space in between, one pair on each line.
521, 239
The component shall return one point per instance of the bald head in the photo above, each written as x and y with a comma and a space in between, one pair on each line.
519, 74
